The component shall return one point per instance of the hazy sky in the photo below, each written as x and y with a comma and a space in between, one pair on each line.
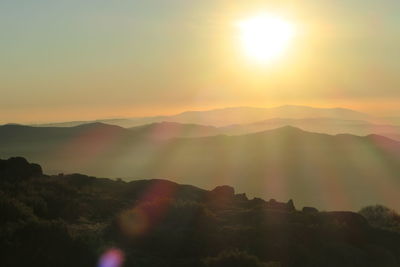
81, 59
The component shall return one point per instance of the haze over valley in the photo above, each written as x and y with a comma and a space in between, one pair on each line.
288, 152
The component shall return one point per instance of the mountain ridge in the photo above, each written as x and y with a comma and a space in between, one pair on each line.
281, 162
185, 116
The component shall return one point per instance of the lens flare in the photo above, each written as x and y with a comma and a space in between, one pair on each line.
111, 258
149, 210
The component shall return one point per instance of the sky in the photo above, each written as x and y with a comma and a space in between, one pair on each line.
86, 59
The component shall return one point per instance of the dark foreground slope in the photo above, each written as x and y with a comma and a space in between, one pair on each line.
76, 220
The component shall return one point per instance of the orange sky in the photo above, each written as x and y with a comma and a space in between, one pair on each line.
71, 60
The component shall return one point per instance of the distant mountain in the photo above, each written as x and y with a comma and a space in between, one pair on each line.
331, 172
24, 136
91, 137
240, 115
166, 130
126, 123
15, 133
244, 120
64, 124
187, 124
320, 125
234, 115
88, 140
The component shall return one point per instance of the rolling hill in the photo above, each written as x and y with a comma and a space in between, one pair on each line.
331, 172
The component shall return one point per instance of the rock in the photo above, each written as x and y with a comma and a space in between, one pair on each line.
309, 210
256, 203
221, 196
241, 197
275, 205
224, 191
290, 205
18, 168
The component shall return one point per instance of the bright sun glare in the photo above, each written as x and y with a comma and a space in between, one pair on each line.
265, 37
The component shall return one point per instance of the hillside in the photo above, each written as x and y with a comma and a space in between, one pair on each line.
160, 223
95, 137
330, 172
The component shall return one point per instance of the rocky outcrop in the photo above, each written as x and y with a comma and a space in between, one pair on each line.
18, 168
309, 210
223, 191
241, 197
275, 205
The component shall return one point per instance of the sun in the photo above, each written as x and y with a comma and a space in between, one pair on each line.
265, 37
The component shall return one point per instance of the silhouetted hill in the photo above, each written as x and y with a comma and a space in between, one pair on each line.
28, 140
162, 130
24, 131
332, 172
77, 220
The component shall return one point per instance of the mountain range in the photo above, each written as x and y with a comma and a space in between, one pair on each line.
244, 120
328, 171
233, 115
320, 125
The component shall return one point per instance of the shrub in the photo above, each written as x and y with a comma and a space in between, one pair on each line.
381, 217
